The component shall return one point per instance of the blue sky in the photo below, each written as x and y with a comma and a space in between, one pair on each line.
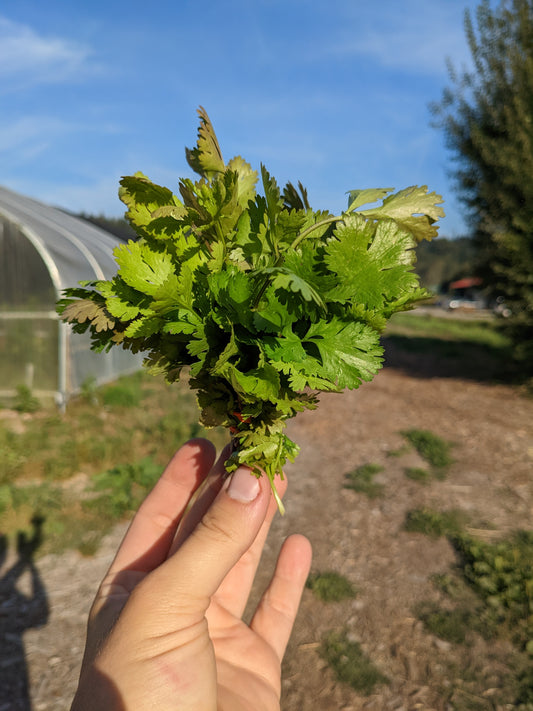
333, 93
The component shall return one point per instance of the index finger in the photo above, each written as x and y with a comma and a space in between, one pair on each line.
147, 542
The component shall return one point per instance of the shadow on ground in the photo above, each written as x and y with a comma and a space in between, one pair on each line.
426, 357
23, 605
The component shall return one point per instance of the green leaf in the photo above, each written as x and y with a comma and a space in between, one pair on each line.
87, 310
356, 198
143, 198
142, 268
271, 316
414, 209
349, 352
373, 268
288, 355
143, 327
272, 194
206, 158
258, 383
232, 291
283, 279
246, 180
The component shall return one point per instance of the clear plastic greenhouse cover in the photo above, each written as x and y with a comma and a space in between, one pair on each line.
44, 250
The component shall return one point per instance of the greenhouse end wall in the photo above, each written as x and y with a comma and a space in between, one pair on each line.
42, 251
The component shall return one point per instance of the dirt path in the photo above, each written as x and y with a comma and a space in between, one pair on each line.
491, 479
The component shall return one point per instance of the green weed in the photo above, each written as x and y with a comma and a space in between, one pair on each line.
432, 448
362, 480
501, 574
417, 474
125, 393
25, 401
434, 523
89, 391
330, 586
124, 487
40, 497
92, 438
350, 664
455, 624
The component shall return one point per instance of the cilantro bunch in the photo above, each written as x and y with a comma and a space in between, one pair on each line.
264, 301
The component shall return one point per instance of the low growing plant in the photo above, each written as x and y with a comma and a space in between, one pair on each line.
123, 487
330, 586
418, 474
453, 624
362, 480
25, 401
432, 448
501, 574
434, 523
350, 664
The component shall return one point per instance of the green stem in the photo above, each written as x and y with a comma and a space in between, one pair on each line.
279, 260
314, 227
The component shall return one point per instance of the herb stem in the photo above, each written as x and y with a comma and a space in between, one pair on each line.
308, 231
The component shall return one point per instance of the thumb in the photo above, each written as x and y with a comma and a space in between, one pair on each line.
185, 583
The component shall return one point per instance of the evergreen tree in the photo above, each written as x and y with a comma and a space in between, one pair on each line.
487, 117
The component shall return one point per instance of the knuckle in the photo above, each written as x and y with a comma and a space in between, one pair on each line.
216, 529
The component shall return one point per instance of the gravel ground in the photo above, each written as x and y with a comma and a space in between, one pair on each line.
491, 479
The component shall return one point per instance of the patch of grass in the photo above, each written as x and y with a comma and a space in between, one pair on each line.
125, 393
404, 449
75, 528
45, 449
434, 523
124, 487
453, 625
350, 664
25, 401
432, 448
362, 480
417, 474
501, 574
482, 332
469, 348
330, 586
39, 497
491, 593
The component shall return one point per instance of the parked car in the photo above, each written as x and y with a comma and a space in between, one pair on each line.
462, 302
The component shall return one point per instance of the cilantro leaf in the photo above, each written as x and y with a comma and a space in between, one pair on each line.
413, 208
206, 158
349, 352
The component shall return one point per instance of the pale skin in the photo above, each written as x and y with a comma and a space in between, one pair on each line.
165, 631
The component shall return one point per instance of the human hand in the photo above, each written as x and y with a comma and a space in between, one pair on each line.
166, 630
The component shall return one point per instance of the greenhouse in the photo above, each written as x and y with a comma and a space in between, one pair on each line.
44, 250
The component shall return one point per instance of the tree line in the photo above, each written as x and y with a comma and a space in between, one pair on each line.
486, 116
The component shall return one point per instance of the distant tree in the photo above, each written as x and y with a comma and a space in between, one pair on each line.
487, 117
443, 260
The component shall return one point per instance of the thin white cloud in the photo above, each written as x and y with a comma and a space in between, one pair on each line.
25, 138
35, 58
414, 35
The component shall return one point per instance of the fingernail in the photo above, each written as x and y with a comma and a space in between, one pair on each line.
243, 485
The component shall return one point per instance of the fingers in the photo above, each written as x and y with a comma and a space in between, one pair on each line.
185, 583
150, 535
276, 612
234, 591
201, 500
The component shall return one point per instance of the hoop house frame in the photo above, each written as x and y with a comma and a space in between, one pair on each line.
44, 250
